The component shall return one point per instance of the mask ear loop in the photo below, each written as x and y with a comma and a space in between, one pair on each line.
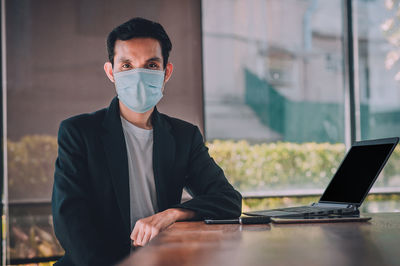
164, 83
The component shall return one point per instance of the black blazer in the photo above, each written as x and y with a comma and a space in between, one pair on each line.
90, 201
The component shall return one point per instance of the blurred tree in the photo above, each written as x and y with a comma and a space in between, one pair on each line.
391, 31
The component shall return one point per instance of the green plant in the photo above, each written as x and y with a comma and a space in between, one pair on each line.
31, 167
277, 165
285, 165
249, 167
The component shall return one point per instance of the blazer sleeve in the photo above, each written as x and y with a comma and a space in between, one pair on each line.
213, 196
73, 224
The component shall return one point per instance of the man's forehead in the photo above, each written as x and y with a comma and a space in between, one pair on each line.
138, 46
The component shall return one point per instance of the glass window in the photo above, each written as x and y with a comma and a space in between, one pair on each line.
379, 78
379, 54
274, 92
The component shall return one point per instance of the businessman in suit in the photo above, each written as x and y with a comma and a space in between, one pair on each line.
120, 171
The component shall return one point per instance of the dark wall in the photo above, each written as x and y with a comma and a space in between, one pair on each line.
56, 51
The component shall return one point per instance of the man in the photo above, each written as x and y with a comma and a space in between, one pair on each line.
120, 171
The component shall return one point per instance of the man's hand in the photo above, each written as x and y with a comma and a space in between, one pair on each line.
147, 228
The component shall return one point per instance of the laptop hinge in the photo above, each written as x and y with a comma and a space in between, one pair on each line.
334, 205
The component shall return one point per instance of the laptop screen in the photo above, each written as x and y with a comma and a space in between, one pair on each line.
357, 173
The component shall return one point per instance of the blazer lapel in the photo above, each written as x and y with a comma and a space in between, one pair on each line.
163, 157
117, 159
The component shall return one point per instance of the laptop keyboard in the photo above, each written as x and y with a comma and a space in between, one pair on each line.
307, 209
302, 210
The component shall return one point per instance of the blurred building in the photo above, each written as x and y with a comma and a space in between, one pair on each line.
279, 65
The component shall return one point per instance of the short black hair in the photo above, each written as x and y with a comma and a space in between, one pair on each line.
139, 28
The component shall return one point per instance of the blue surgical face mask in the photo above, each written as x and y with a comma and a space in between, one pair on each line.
139, 89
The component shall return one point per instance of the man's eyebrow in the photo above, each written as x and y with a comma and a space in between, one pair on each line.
123, 59
158, 59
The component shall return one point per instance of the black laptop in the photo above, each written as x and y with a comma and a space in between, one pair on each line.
350, 184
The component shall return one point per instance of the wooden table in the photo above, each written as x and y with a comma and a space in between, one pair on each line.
194, 243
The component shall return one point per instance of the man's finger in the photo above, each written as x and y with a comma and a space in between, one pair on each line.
134, 232
140, 234
146, 237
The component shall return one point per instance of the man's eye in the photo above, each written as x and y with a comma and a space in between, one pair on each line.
153, 65
126, 66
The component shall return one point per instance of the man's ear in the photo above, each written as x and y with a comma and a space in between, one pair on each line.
108, 68
168, 72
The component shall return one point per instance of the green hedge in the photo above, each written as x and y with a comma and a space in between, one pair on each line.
285, 165
31, 167
249, 167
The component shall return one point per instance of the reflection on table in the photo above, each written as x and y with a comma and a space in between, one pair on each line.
195, 243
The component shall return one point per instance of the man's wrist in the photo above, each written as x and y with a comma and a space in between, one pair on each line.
180, 214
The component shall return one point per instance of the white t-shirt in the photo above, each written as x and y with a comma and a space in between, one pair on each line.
142, 189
